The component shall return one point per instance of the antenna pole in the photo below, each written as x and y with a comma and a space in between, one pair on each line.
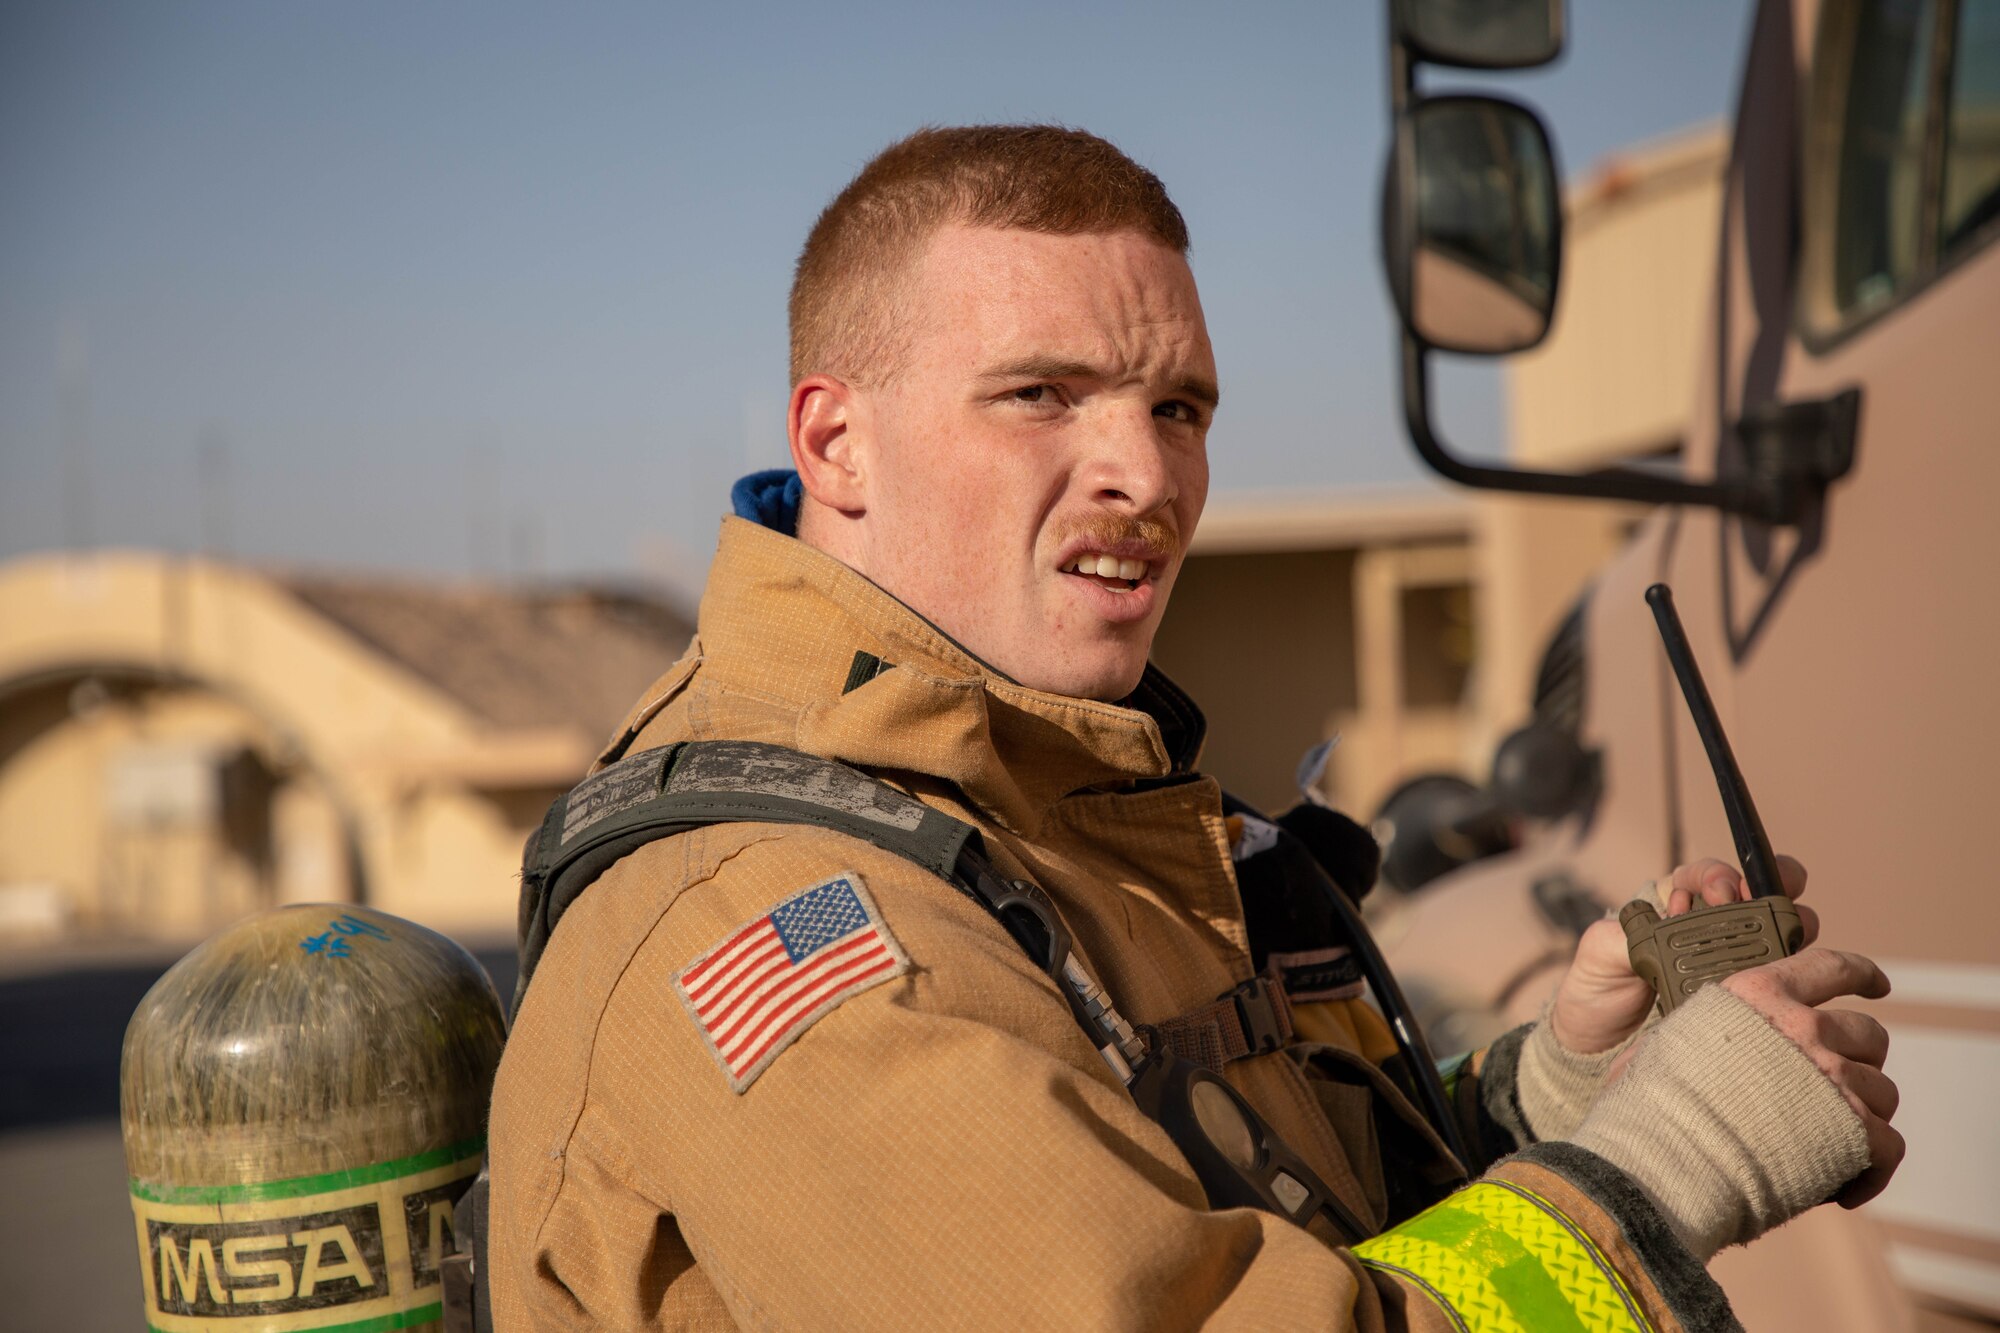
1753, 848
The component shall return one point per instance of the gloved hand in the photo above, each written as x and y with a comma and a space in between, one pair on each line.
1751, 1104
1601, 1005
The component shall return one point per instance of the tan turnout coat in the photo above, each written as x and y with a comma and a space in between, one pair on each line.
944, 1149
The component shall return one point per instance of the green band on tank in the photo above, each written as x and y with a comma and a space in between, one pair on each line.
423, 1314
322, 1184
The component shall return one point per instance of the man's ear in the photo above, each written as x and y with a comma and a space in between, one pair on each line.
827, 425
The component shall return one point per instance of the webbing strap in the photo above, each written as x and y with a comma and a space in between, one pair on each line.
1250, 1020
1497, 1258
691, 784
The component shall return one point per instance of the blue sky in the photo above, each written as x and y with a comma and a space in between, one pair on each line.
457, 287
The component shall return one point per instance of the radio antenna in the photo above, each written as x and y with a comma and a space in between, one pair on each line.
1753, 848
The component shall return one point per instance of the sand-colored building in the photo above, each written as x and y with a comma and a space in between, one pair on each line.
1613, 383
183, 741
1298, 618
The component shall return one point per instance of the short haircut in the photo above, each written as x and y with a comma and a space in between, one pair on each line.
1045, 178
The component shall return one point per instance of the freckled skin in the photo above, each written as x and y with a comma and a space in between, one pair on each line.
961, 491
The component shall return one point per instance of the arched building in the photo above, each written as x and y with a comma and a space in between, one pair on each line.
182, 741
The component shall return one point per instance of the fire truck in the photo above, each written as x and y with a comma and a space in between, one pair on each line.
1825, 526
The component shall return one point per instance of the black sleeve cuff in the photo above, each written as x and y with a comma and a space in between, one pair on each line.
1693, 1296
1502, 1125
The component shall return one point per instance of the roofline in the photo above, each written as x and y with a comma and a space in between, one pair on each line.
1693, 155
1245, 522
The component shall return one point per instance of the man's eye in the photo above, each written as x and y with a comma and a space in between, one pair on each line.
1177, 411
1036, 393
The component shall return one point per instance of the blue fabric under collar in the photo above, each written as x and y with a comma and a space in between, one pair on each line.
770, 498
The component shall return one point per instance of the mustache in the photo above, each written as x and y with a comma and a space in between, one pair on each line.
1102, 531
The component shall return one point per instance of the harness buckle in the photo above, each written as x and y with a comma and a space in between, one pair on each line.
1264, 1013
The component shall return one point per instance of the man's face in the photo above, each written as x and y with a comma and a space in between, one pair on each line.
1036, 467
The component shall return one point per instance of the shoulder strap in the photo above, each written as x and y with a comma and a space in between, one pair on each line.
689, 785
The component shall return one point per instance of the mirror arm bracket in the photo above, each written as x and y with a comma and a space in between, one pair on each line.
1793, 452
1624, 484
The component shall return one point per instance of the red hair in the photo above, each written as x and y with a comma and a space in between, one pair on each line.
1044, 178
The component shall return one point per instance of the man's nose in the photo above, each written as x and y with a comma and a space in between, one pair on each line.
1128, 468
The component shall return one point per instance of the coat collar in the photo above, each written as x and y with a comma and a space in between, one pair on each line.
784, 621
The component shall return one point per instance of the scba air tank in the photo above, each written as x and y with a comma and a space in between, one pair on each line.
304, 1099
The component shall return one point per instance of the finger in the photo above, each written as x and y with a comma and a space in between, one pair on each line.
1722, 884
1697, 871
1679, 901
1854, 1035
1809, 925
1792, 874
1871, 1088
1603, 934
1885, 1154
1811, 977
1863, 1083
1602, 954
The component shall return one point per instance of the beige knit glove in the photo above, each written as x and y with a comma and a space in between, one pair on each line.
1556, 1085
1728, 1127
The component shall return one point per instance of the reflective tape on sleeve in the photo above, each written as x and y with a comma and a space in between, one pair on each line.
1498, 1258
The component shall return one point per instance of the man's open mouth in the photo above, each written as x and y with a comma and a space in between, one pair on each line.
1109, 571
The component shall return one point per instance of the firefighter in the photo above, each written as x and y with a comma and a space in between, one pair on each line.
776, 1076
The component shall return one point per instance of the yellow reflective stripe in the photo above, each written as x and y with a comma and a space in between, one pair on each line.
1595, 1287
1501, 1259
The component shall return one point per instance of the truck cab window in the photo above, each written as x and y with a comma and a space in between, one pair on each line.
1972, 130
1903, 152
1880, 172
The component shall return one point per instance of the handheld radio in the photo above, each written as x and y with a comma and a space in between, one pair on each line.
1679, 955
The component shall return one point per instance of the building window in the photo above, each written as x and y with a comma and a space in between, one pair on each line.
1437, 644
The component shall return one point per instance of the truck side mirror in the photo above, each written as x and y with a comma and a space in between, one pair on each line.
1481, 34
1473, 225
1472, 241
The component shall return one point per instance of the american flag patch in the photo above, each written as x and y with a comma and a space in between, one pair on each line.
753, 994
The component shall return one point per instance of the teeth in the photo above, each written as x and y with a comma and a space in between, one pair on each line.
1108, 567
